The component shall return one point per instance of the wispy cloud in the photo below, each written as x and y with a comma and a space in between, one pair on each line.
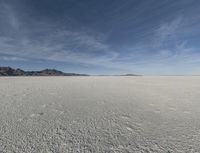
53, 43
11, 58
169, 29
8, 15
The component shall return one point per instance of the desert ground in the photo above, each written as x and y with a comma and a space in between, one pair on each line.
100, 114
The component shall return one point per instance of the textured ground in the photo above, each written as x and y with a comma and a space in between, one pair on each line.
100, 114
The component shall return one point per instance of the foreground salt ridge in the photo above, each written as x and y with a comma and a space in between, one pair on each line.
100, 114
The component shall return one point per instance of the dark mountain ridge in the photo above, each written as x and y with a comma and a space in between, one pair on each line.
8, 71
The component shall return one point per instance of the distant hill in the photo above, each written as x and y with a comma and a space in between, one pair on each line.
8, 71
132, 75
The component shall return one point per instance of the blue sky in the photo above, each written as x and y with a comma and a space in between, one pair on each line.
156, 37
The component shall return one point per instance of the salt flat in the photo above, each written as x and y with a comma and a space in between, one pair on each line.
143, 114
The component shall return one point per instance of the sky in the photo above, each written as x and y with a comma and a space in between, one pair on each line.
149, 37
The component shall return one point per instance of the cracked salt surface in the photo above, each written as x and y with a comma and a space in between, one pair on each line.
100, 114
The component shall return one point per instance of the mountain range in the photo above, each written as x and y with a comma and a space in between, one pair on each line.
8, 71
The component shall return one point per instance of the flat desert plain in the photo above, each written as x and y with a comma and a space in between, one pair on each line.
144, 114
